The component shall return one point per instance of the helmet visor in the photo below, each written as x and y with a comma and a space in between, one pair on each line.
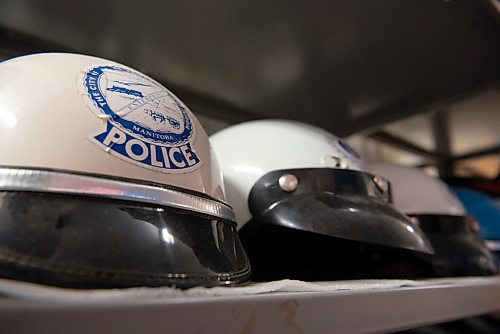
459, 251
339, 203
87, 242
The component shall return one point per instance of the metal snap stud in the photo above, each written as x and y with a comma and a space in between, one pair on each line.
381, 184
288, 182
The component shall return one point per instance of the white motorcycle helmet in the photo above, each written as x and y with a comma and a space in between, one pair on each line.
299, 177
107, 180
454, 235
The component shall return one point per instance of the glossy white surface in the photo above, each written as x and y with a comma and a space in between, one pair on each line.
249, 150
415, 192
46, 122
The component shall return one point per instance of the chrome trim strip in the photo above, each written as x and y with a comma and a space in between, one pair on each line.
59, 182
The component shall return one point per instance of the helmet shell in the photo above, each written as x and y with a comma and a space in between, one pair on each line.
90, 115
249, 150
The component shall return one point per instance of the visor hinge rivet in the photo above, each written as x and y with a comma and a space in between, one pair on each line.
288, 182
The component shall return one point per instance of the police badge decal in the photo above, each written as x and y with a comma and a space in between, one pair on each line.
145, 123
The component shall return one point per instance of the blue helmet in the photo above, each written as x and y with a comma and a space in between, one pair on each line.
484, 208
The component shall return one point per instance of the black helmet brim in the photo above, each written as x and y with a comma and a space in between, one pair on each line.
338, 203
459, 251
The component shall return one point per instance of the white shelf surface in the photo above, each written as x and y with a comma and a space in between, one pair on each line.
285, 307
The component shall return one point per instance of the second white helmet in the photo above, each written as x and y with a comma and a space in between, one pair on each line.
299, 176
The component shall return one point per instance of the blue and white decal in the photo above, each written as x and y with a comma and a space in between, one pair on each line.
145, 123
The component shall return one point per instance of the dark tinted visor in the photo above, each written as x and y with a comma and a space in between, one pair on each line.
87, 242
